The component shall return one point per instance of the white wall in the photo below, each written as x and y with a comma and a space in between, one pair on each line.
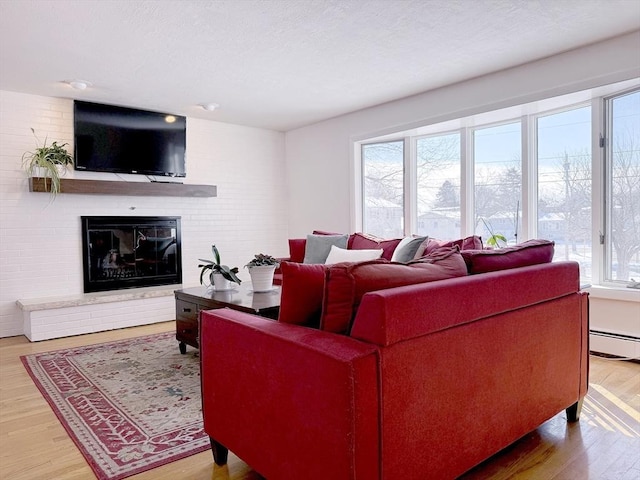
40, 242
321, 160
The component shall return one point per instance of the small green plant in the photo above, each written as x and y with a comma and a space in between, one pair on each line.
47, 158
495, 238
261, 260
214, 266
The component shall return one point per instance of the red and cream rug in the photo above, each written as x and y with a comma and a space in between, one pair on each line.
129, 406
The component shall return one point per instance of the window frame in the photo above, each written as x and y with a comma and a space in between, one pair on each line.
605, 150
530, 113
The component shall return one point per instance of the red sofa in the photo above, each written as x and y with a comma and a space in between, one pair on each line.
430, 379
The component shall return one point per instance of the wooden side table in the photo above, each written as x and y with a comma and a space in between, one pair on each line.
191, 301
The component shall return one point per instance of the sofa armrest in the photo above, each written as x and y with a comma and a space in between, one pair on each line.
272, 391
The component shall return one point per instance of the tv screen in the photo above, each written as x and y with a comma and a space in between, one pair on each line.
126, 140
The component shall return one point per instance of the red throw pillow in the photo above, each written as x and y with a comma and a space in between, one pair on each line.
323, 232
301, 294
296, 249
345, 284
531, 252
473, 242
362, 241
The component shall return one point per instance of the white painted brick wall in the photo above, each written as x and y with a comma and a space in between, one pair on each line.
40, 244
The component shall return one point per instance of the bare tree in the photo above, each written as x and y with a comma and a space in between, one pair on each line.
573, 200
625, 207
433, 156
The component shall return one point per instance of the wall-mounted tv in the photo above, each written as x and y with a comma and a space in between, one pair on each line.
125, 140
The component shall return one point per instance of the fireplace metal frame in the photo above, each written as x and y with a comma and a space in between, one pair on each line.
148, 261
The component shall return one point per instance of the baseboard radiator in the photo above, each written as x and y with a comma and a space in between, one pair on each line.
614, 343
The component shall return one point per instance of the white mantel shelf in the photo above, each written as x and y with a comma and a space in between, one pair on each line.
108, 187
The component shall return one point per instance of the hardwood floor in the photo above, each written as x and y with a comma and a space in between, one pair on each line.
604, 444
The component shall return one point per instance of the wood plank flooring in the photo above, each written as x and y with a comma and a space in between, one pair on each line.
604, 444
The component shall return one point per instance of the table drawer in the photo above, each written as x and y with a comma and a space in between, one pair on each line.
187, 332
187, 311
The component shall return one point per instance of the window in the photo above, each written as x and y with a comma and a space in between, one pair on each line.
564, 184
527, 171
622, 161
438, 185
383, 188
497, 181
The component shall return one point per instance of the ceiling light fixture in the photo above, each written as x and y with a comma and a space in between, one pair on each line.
78, 84
210, 107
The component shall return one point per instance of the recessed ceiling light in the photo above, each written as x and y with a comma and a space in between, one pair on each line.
78, 84
210, 107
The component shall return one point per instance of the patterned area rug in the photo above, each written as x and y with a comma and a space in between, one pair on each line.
129, 406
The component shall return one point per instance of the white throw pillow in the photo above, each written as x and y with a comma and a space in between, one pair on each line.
339, 255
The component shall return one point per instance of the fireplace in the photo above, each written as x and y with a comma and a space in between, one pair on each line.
130, 252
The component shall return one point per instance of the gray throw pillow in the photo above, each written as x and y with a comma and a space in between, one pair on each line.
408, 251
318, 246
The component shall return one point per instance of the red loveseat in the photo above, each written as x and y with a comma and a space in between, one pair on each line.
429, 380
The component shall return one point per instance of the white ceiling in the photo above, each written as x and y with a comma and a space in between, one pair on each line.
281, 64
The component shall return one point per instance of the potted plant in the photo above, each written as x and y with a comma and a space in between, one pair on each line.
261, 268
47, 161
494, 240
220, 276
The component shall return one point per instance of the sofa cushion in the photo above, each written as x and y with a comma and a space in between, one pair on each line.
531, 252
407, 249
317, 247
301, 293
345, 284
363, 241
473, 242
340, 255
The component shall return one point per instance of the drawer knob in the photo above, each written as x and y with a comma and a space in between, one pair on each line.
186, 309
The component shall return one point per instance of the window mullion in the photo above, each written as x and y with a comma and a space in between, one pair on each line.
598, 197
466, 182
410, 186
529, 200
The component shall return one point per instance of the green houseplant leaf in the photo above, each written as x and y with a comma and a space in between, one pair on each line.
261, 260
214, 266
47, 158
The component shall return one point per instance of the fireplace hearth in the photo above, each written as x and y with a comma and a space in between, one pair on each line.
130, 252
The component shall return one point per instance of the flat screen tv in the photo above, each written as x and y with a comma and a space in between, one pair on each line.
125, 140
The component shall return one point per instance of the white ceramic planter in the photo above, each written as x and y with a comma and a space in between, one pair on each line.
220, 283
262, 277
